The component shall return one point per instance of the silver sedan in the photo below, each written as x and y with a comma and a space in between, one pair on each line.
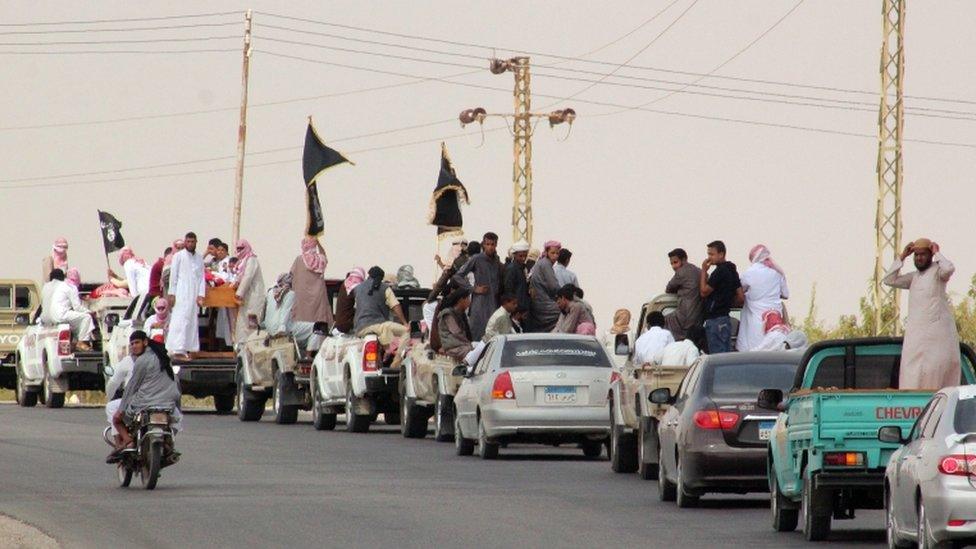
535, 388
930, 482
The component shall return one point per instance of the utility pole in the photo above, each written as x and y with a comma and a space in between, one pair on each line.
522, 130
887, 222
242, 131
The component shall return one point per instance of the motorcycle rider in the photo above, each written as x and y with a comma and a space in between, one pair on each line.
152, 385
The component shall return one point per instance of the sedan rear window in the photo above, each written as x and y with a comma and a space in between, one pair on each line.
749, 379
553, 352
965, 420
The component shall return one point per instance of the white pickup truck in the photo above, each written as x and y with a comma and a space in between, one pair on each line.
633, 418
348, 376
427, 389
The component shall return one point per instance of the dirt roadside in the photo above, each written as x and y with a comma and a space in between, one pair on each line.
15, 534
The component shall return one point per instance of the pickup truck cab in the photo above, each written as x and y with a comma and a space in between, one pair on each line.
348, 376
19, 299
825, 457
634, 418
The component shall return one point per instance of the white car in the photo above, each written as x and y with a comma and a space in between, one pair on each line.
534, 388
930, 482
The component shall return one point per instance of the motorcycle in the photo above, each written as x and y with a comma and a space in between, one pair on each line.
152, 432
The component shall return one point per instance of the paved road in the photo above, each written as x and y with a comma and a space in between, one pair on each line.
259, 485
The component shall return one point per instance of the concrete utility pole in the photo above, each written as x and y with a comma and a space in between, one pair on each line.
522, 130
242, 132
887, 222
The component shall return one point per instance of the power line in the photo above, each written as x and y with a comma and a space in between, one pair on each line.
131, 29
135, 52
127, 41
128, 20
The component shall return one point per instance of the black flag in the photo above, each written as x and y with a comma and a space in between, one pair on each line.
111, 235
316, 159
445, 203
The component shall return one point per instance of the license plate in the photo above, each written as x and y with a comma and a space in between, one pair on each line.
765, 429
560, 395
159, 418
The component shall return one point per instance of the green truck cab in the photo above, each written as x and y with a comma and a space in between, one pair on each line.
19, 300
825, 459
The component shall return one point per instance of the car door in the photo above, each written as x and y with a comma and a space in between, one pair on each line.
468, 396
906, 466
667, 431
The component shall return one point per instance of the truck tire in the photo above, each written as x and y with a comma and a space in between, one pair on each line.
224, 404
52, 399
392, 417
355, 423
25, 398
666, 490
444, 418
623, 447
284, 414
462, 446
248, 409
816, 512
648, 453
413, 420
321, 420
486, 448
785, 514
592, 449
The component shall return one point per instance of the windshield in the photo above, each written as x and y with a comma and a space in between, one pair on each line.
965, 420
749, 379
554, 352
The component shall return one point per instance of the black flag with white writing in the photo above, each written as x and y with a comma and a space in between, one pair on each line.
445, 203
316, 159
111, 233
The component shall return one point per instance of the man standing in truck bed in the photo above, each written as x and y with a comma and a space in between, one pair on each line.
488, 274
930, 353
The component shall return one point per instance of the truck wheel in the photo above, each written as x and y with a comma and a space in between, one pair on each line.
355, 423
248, 409
623, 447
816, 512
444, 418
683, 498
462, 446
413, 420
392, 417
224, 404
486, 448
647, 452
284, 414
785, 514
592, 449
25, 398
52, 399
666, 490
322, 421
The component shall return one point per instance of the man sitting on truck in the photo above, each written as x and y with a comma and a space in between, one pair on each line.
453, 333
60, 304
650, 345
684, 284
574, 313
500, 322
930, 354
374, 302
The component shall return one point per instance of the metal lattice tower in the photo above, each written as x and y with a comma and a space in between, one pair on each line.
890, 176
522, 168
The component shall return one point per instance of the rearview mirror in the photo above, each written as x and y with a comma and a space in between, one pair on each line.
621, 346
111, 321
661, 396
890, 433
770, 399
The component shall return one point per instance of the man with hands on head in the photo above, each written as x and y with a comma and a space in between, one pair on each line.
721, 291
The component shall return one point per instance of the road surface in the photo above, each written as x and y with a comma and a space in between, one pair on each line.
261, 484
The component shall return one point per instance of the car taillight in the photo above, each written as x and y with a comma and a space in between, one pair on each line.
64, 342
614, 376
715, 419
957, 522
844, 459
370, 355
958, 464
503, 389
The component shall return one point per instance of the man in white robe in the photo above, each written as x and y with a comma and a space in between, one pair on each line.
60, 304
648, 347
930, 353
187, 288
765, 289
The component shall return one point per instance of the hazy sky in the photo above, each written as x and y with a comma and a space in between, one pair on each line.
621, 191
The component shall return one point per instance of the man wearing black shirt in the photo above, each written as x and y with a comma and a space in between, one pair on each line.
721, 291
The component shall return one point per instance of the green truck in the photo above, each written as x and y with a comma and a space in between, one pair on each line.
825, 459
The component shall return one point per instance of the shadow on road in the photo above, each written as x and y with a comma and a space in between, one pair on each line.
503, 456
733, 503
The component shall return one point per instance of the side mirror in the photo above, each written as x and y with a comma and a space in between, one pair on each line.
661, 396
22, 319
111, 321
621, 346
770, 399
460, 370
891, 433
109, 370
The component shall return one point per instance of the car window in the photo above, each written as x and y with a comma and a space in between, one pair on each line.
965, 416
6, 297
938, 405
22, 298
554, 352
920, 422
869, 372
688, 383
485, 360
130, 309
749, 379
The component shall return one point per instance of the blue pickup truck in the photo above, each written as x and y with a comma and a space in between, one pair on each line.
825, 459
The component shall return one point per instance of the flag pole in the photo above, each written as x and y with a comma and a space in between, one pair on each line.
108, 265
242, 131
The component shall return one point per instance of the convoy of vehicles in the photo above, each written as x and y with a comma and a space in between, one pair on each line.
825, 457
19, 300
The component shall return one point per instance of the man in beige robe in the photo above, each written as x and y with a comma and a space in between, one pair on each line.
930, 353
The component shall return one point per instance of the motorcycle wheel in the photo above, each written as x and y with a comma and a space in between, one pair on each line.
125, 475
151, 465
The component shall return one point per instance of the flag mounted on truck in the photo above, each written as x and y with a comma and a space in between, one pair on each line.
445, 203
316, 159
111, 233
